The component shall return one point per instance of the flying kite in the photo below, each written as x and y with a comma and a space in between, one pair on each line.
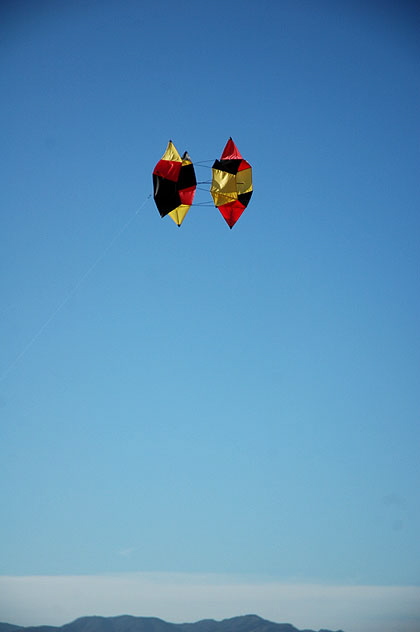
174, 184
231, 186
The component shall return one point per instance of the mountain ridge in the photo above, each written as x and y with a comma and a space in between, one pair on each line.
129, 623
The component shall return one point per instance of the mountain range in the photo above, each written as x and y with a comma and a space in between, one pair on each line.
126, 623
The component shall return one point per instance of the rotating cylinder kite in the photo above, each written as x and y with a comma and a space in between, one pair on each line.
174, 184
231, 186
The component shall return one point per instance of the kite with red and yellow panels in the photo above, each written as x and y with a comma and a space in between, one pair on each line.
231, 186
174, 184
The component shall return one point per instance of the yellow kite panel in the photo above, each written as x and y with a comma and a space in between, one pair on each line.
244, 181
179, 213
171, 153
225, 183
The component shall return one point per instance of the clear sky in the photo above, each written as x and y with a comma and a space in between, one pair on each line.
202, 400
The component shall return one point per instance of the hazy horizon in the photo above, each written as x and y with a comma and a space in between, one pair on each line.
183, 597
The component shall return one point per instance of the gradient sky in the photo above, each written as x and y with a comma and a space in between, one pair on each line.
201, 400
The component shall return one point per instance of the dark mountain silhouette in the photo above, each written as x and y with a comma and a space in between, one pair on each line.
9, 627
126, 623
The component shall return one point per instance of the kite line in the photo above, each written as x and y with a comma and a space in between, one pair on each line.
72, 292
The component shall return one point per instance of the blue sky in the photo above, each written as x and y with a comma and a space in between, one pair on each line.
201, 400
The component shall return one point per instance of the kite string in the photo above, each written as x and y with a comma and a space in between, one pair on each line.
71, 292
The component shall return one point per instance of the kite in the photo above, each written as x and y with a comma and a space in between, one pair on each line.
174, 184
231, 186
